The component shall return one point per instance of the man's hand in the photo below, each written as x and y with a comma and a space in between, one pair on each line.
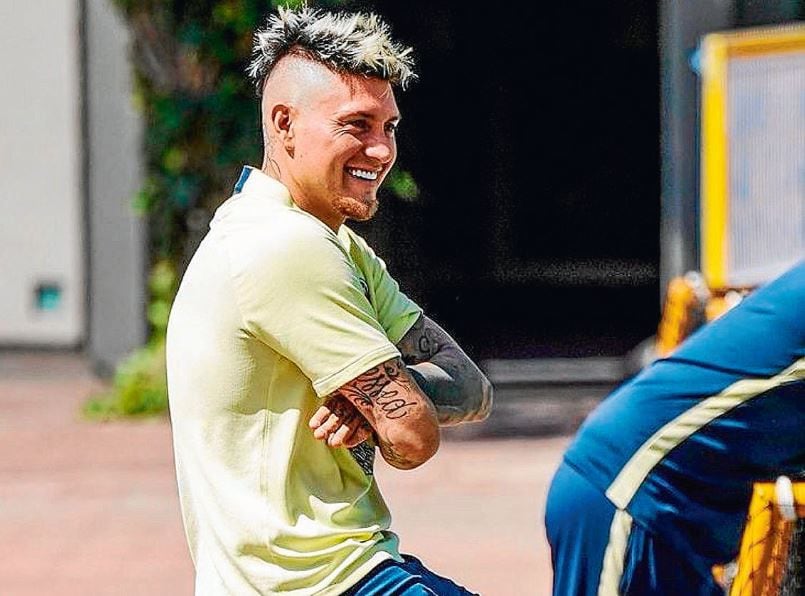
402, 418
339, 424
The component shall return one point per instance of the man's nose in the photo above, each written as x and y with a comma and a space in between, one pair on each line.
381, 149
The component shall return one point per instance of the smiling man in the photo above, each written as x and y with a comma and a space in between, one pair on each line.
329, 137
292, 353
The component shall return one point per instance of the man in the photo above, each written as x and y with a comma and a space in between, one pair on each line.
655, 488
292, 352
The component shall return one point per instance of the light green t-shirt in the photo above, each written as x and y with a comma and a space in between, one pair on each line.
274, 312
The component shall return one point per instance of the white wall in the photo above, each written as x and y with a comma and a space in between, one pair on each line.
41, 231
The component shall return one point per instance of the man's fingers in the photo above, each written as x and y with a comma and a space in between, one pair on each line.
328, 427
341, 413
345, 422
346, 438
339, 424
322, 414
339, 436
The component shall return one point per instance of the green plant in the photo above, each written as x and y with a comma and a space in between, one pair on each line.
139, 387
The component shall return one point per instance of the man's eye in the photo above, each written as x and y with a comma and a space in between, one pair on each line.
391, 128
359, 124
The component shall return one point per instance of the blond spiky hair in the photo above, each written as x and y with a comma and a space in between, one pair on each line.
355, 43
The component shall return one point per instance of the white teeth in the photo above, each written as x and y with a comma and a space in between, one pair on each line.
365, 174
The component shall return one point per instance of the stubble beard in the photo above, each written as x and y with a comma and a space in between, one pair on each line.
357, 208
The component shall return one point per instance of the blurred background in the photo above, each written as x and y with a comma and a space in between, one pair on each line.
562, 166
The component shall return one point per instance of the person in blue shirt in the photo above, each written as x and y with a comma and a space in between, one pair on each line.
655, 487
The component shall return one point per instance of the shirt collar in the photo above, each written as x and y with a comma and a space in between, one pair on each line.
254, 182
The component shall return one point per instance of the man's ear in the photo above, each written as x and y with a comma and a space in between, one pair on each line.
282, 121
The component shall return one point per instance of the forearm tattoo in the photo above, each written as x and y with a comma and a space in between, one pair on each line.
463, 394
371, 390
421, 343
382, 393
392, 456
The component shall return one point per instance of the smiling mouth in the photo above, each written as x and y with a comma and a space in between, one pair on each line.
362, 174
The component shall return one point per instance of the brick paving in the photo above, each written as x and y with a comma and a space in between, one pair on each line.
90, 508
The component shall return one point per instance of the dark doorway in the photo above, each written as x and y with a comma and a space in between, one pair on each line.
533, 134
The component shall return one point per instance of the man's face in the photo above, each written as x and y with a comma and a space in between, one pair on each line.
343, 148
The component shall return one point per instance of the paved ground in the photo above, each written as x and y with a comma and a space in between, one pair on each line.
91, 508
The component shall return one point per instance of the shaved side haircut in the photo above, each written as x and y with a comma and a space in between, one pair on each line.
349, 43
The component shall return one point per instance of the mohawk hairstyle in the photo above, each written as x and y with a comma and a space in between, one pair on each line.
352, 43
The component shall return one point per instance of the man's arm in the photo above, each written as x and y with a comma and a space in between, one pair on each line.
455, 385
402, 417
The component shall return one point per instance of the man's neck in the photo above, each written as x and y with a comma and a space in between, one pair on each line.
271, 168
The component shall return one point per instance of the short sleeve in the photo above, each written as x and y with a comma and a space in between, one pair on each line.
396, 312
300, 293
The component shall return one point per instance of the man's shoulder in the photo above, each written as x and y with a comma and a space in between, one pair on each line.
287, 250
256, 214
272, 231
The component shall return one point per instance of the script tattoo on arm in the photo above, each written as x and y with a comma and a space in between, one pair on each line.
456, 386
374, 389
403, 419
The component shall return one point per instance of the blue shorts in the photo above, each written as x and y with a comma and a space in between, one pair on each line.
409, 578
593, 544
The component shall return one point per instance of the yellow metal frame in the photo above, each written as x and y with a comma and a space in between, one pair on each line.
765, 542
717, 49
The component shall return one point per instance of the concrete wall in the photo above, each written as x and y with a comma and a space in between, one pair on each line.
72, 252
42, 294
117, 255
